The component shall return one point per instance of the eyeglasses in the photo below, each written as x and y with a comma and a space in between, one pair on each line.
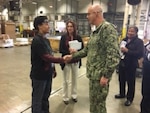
93, 12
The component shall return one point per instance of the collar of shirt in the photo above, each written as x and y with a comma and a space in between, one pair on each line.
42, 35
98, 27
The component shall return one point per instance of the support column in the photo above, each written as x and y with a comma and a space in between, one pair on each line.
133, 15
20, 16
20, 12
147, 16
138, 14
125, 22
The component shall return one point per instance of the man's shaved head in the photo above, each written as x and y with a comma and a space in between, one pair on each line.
95, 8
95, 14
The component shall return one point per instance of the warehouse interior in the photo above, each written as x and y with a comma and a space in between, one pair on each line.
17, 32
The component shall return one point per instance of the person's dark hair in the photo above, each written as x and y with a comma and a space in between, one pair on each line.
135, 28
39, 21
74, 27
134, 2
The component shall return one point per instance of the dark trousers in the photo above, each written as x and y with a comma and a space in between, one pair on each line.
127, 75
41, 90
145, 103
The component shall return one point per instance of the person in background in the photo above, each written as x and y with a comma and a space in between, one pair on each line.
145, 102
42, 67
132, 50
73, 65
102, 51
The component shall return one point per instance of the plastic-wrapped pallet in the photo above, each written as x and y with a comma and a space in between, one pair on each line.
5, 41
21, 41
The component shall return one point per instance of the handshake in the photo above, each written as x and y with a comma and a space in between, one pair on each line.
67, 58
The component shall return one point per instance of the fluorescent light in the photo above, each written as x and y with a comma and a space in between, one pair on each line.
51, 6
34, 2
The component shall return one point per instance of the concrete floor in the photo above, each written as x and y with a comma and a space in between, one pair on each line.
15, 87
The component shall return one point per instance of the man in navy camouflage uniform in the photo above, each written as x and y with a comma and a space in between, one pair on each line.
102, 53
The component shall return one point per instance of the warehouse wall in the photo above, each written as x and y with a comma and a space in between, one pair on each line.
68, 6
29, 11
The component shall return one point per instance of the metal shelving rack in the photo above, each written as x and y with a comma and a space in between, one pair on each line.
84, 28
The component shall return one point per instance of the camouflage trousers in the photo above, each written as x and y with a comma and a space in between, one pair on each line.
97, 95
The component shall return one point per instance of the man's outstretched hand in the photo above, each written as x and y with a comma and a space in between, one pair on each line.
67, 58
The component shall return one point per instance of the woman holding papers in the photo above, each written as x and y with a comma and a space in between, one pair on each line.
68, 40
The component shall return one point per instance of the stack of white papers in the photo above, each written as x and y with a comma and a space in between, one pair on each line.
75, 44
123, 44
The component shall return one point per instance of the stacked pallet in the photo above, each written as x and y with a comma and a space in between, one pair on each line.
21, 42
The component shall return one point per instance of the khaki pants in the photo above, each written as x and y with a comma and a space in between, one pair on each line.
74, 74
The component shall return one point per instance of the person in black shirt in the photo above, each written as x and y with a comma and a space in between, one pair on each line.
132, 49
145, 102
42, 67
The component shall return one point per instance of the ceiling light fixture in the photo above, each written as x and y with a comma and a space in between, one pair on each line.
34, 2
51, 6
